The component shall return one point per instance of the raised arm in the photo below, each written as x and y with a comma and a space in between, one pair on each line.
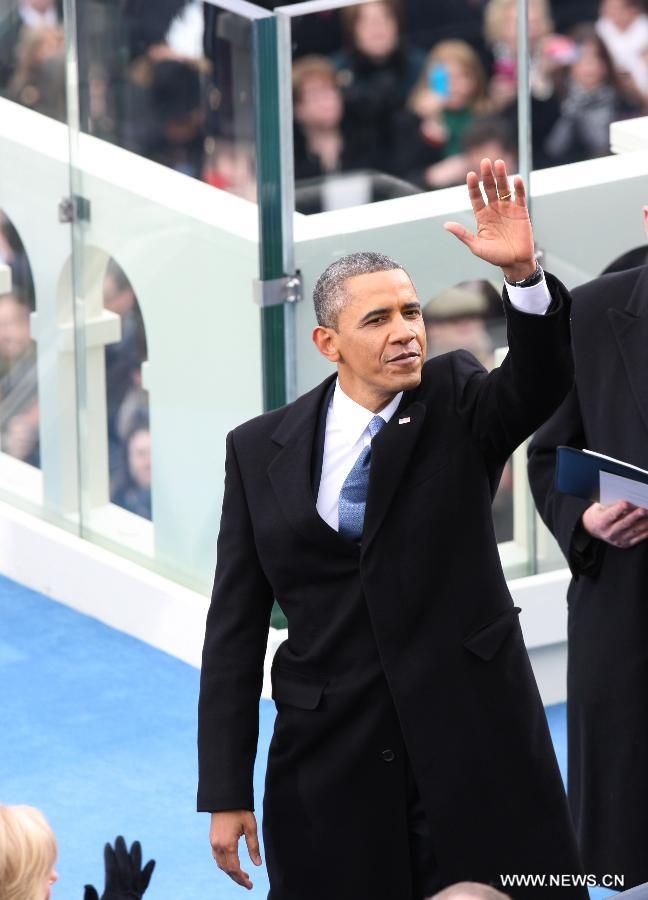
505, 406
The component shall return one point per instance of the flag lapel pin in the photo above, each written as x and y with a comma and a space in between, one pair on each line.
404, 421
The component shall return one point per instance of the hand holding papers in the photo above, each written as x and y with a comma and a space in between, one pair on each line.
586, 474
621, 516
616, 487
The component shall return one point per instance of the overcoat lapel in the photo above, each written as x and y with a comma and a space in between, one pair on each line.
630, 328
290, 472
390, 453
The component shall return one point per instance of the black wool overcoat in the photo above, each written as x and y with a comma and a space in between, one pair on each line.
607, 688
407, 647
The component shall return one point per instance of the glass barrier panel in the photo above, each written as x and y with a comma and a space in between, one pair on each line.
173, 83
391, 99
166, 256
38, 433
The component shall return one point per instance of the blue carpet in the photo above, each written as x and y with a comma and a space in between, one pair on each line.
98, 731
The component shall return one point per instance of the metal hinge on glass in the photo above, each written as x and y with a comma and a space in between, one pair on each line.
74, 209
275, 291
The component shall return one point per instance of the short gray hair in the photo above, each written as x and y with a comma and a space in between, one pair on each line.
330, 294
470, 889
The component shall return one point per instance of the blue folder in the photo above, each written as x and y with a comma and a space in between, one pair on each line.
577, 472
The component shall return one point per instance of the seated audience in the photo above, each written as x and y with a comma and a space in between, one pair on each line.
623, 27
376, 72
15, 20
39, 77
592, 101
549, 54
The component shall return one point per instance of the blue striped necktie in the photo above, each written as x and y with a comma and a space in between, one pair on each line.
353, 496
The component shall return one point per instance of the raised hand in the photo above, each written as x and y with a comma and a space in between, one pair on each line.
504, 235
125, 877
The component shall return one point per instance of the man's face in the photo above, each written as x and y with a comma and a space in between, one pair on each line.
379, 344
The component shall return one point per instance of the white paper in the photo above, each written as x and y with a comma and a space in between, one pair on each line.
616, 487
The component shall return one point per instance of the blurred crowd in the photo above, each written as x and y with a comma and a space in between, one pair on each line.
409, 93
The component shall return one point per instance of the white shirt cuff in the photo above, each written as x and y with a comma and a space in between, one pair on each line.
535, 300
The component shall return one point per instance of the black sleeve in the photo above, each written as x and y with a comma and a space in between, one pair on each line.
233, 655
560, 512
503, 407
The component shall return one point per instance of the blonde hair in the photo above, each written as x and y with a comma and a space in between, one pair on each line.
464, 55
498, 11
27, 852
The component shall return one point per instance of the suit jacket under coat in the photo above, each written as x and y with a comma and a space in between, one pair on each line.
607, 411
407, 646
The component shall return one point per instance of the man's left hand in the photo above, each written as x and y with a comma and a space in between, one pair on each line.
504, 234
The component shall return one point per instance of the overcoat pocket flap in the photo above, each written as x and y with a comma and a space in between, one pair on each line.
296, 690
486, 641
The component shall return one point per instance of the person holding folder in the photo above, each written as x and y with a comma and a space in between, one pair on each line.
607, 551
410, 749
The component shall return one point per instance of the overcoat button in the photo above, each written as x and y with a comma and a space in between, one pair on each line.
388, 755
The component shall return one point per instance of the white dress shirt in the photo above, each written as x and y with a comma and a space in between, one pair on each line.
347, 423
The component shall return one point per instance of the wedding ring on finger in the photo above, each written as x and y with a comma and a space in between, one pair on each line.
505, 196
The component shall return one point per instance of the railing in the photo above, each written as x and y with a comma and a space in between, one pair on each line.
191, 254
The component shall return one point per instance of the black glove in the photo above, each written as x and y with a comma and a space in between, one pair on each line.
125, 877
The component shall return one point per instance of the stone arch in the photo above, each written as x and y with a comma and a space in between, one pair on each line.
114, 346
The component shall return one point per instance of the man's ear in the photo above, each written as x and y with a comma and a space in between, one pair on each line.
645, 218
325, 339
